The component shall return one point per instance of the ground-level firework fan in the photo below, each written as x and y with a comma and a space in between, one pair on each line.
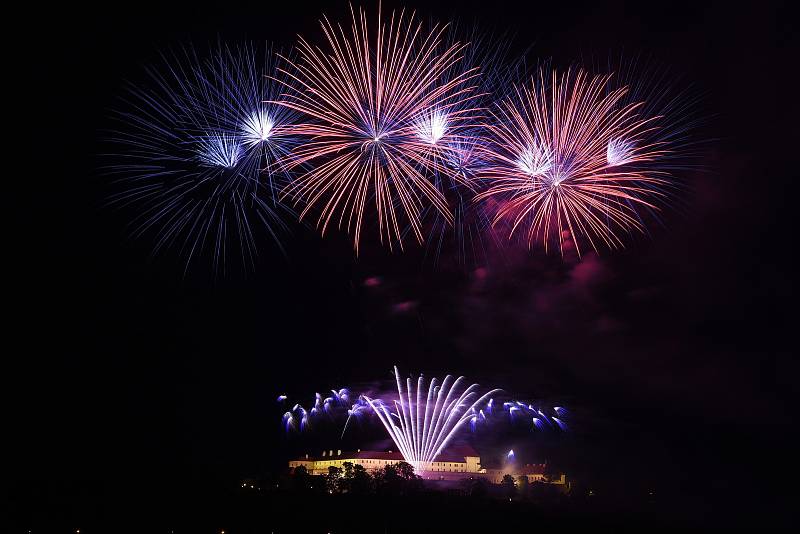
427, 416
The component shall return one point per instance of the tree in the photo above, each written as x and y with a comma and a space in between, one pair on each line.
397, 479
386, 479
475, 487
300, 471
332, 479
345, 482
362, 482
412, 482
522, 485
509, 486
300, 478
348, 470
405, 471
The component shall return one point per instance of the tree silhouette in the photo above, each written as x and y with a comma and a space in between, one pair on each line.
345, 482
397, 479
509, 487
405, 471
332, 479
475, 487
362, 482
301, 480
522, 485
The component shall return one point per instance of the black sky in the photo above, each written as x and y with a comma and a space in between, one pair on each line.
677, 351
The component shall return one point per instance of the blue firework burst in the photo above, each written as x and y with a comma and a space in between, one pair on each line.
196, 149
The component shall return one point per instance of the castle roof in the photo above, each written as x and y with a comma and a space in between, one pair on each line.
361, 455
454, 454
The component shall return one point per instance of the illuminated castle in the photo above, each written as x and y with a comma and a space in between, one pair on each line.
448, 466
455, 464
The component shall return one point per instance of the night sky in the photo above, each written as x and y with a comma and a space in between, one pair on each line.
675, 353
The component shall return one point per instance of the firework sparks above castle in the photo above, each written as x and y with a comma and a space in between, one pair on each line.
391, 130
422, 420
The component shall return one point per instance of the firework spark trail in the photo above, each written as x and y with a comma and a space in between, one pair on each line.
198, 148
379, 121
355, 411
421, 434
338, 405
568, 157
469, 233
675, 106
538, 417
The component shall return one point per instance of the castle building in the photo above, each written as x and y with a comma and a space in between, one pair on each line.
533, 472
448, 466
455, 464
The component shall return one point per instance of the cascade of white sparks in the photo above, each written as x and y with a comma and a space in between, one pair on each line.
427, 416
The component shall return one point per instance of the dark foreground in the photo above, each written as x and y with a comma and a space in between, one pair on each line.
246, 512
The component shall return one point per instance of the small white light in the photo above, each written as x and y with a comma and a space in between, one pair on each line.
535, 161
619, 152
257, 128
432, 127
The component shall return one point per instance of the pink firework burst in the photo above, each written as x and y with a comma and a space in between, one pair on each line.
569, 156
381, 121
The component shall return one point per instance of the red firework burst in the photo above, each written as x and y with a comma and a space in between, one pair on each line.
568, 157
382, 119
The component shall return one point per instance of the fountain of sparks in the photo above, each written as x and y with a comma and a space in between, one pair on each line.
428, 416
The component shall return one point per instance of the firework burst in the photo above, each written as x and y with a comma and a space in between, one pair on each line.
674, 105
465, 236
426, 416
571, 157
382, 117
197, 148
